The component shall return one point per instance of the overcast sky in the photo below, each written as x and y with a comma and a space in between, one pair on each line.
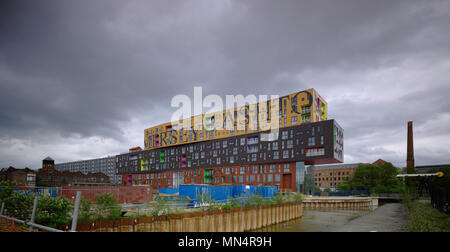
83, 79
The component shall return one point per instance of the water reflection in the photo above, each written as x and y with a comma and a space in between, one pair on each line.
318, 221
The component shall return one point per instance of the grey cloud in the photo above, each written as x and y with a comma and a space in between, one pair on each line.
83, 69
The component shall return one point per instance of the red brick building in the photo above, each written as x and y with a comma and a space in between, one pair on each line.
330, 176
48, 176
25, 177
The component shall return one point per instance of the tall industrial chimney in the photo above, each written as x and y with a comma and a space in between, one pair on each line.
410, 148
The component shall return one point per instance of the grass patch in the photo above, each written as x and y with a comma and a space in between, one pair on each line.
424, 218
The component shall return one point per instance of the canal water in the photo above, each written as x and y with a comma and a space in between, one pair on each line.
318, 221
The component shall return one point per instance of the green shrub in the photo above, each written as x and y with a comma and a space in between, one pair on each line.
424, 218
161, 207
107, 207
232, 202
19, 205
259, 200
298, 197
85, 211
278, 198
53, 212
206, 202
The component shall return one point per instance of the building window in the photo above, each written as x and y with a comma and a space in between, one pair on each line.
275, 146
277, 177
272, 168
315, 152
284, 135
286, 168
311, 141
252, 148
252, 140
294, 120
290, 144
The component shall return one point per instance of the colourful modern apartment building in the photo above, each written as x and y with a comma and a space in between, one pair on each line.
208, 153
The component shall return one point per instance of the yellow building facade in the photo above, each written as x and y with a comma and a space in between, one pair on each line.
297, 108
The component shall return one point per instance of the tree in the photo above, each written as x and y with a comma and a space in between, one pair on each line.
379, 178
6, 189
345, 185
412, 183
441, 183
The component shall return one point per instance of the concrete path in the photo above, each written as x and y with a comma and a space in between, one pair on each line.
391, 217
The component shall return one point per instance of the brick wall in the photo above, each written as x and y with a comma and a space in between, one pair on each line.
124, 194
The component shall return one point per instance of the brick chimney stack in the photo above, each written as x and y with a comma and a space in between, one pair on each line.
410, 148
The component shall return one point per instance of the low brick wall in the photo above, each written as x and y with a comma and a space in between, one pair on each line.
124, 194
235, 220
339, 202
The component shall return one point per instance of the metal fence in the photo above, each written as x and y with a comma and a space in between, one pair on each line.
440, 199
343, 193
10, 222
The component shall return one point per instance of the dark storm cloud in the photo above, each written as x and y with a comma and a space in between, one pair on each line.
51, 67
80, 70
292, 35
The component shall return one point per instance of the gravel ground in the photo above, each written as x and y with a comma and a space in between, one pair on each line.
391, 217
